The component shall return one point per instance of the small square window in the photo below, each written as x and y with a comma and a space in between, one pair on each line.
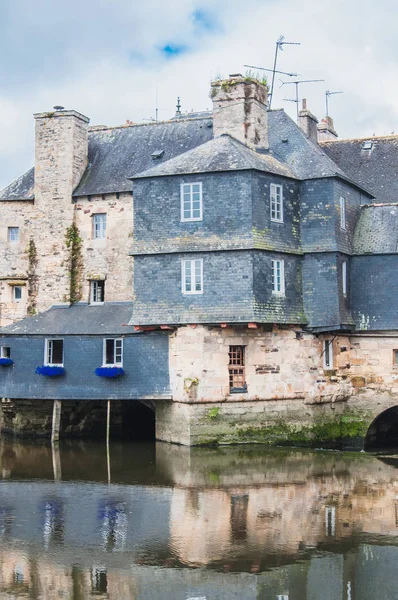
97, 292
54, 352
13, 234
191, 201
99, 225
192, 276
5, 352
278, 277
113, 352
16, 293
276, 203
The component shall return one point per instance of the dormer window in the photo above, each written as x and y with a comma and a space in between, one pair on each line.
368, 145
276, 203
191, 201
157, 154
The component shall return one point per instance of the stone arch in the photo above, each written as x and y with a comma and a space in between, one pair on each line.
383, 431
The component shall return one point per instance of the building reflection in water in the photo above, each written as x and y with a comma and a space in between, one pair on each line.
214, 524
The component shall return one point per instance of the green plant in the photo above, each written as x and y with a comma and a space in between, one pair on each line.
214, 412
74, 244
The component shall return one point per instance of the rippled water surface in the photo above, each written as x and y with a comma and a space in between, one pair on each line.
161, 522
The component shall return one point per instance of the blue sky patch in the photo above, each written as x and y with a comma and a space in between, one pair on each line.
204, 20
171, 50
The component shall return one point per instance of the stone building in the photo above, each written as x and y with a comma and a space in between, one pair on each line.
253, 256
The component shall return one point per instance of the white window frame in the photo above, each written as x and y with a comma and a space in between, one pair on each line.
13, 235
276, 202
343, 213
117, 352
196, 267
99, 226
344, 277
328, 364
94, 291
14, 288
5, 352
189, 187
278, 265
48, 352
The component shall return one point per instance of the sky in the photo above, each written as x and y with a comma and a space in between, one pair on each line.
114, 60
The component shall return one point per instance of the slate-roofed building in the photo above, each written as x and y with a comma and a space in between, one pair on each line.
237, 237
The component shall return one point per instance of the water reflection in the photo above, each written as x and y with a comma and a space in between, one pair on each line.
177, 523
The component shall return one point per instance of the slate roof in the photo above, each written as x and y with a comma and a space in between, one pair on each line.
375, 169
376, 230
223, 153
110, 318
20, 189
116, 153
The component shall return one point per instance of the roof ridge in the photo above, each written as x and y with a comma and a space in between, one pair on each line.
361, 139
95, 128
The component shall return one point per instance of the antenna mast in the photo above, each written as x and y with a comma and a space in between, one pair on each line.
297, 83
327, 95
279, 46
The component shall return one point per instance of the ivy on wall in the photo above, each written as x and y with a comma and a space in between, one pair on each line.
74, 245
33, 279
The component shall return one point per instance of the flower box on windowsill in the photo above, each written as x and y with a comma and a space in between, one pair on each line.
50, 371
6, 362
109, 372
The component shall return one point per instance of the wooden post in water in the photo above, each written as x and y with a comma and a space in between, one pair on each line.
56, 420
56, 461
108, 456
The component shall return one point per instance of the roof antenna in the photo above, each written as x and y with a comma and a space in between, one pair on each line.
178, 107
327, 96
297, 83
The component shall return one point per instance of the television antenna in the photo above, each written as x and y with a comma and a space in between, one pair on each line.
297, 83
328, 93
279, 46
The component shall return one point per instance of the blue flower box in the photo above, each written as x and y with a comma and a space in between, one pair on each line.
109, 372
50, 371
6, 362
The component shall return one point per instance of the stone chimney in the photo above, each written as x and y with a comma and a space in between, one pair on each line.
240, 109
61, 156
308, 123
326, 131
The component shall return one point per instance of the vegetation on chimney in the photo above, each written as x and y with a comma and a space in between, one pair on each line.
33, 279
74, 245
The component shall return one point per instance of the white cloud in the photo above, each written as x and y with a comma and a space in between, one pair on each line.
103, 58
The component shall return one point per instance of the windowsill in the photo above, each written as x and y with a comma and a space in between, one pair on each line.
112, 365
277, 221
238, 390
53, 365
192, 293
191, 220
96, 303
280, 294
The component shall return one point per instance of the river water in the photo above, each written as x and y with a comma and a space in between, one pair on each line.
162, 522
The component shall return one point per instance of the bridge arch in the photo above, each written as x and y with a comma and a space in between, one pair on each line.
383, 431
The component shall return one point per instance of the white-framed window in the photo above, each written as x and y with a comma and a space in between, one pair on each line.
13, 234
327, 354
54, 352
97, 291
99, 225
278, 277
276, 202
191, 201
344, 277
192, 276
282, 597
5, 352
330, 521
342, 213
16, 293
113, 352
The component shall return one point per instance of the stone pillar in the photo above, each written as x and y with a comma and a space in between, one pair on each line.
326, 131
240, 109
61, 154
308, 123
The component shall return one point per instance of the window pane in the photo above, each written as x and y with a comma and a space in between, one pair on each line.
5, 352
109, 352
57, 351
13, 234
17, 293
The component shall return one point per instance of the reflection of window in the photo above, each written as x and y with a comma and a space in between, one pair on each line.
99, 580
330, 520
97, 291
53, 523
18, 574
396, 514
54, 352
113, 525
283, 597
113, 352
239, 506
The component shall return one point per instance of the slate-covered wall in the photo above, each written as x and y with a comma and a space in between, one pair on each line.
227, 289
320, 290
374, 291
227, 214
267, 234
145, 362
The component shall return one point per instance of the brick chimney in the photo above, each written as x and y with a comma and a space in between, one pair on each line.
326, 131
240, 109
308, 123
61, 156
